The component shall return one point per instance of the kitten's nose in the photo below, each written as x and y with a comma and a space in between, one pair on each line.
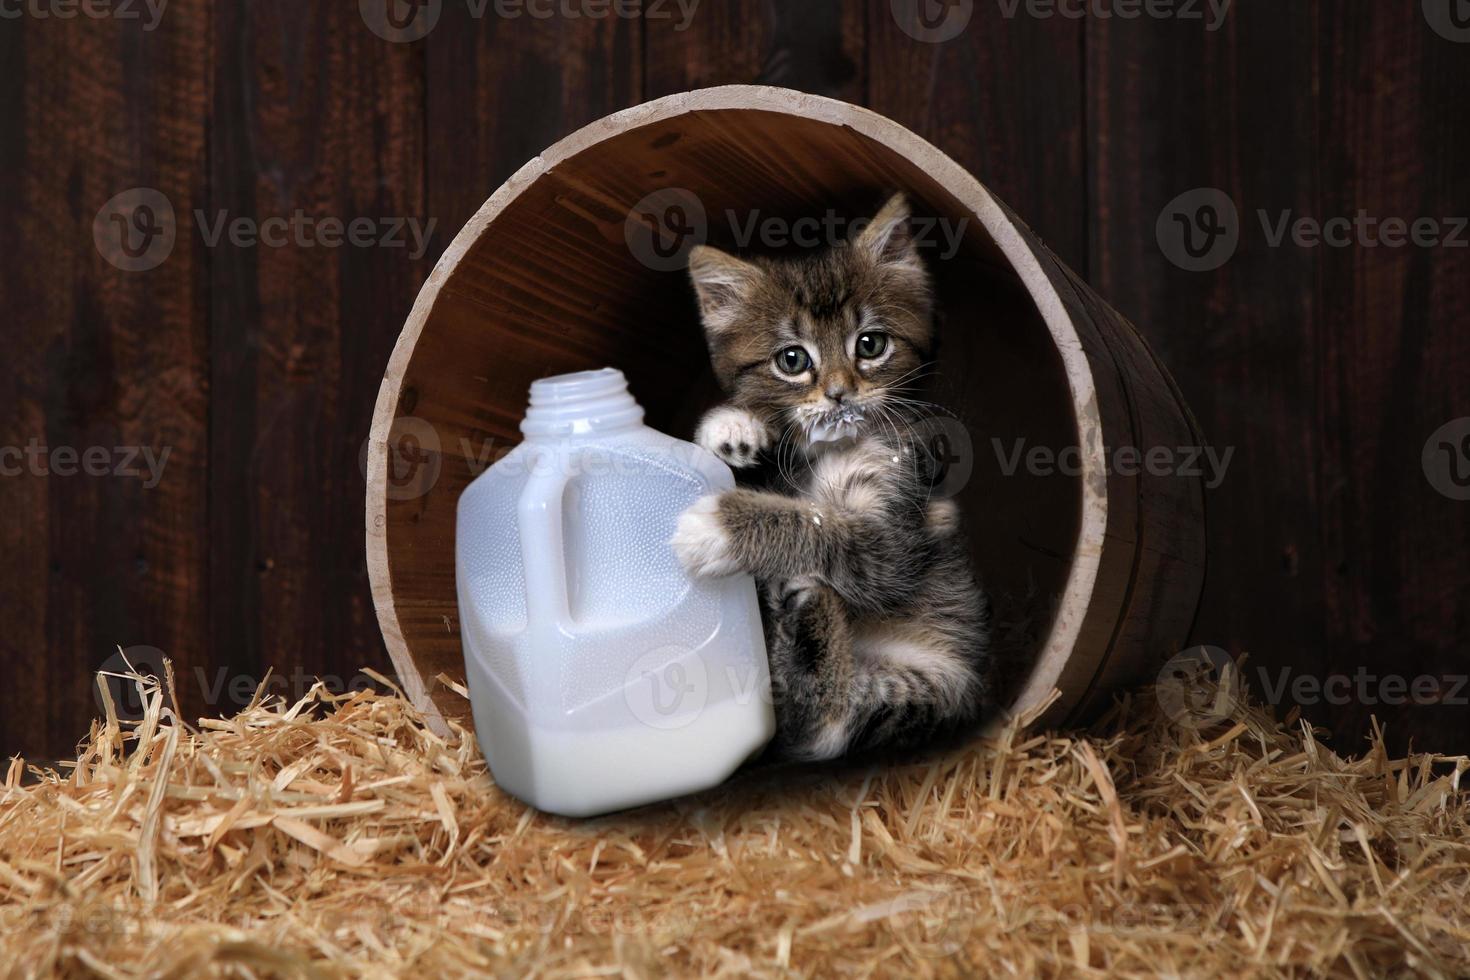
837, 392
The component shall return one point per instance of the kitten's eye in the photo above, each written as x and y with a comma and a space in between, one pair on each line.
793, 360
871, 344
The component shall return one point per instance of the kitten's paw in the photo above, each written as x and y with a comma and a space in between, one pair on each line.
789, 595
701, 542
734, 435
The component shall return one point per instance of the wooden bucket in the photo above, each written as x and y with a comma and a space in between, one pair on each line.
569, 266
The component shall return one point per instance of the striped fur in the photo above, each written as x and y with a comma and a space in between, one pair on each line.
877, 631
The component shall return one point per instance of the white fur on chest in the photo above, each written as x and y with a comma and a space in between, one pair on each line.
854, 478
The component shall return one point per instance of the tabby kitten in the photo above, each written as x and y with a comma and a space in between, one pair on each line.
876, 630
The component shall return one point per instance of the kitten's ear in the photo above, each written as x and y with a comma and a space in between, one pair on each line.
722, 282
889, 239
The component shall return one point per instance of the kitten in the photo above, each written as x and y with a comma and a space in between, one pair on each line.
876, 630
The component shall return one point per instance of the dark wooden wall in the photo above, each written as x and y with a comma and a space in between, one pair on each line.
1325, 368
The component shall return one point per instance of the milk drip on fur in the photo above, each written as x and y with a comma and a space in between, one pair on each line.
601, 676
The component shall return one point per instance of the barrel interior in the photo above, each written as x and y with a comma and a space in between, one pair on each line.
552, 286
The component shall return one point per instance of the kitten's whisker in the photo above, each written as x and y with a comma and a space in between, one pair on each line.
925, 370
788, 451
900, 444
916, 403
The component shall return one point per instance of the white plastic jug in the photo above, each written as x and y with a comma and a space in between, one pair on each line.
601, 676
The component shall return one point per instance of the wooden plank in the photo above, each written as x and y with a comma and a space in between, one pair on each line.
1174, 107
1394, 356
99, 358
315, 115
1325, 369
501, 90
813, 46
1004, 98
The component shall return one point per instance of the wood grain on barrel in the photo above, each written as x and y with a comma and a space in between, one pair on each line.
1165, 534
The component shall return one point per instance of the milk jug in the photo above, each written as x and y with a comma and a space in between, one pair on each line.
601, 676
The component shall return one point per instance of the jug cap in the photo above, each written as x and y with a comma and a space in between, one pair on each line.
583, 403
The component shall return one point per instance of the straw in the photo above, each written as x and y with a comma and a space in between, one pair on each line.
338, 836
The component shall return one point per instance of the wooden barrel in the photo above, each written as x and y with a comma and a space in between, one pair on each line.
1094, 550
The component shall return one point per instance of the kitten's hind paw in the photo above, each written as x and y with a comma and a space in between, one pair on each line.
788, 595
734, 435
701, 542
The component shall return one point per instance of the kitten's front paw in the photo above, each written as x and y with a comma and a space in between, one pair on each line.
734, 435
701, 542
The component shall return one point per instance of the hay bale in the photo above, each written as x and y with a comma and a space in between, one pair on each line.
340, 836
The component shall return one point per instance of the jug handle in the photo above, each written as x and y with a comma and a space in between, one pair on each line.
539, 514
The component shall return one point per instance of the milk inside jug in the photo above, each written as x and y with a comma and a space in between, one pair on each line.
601, 676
